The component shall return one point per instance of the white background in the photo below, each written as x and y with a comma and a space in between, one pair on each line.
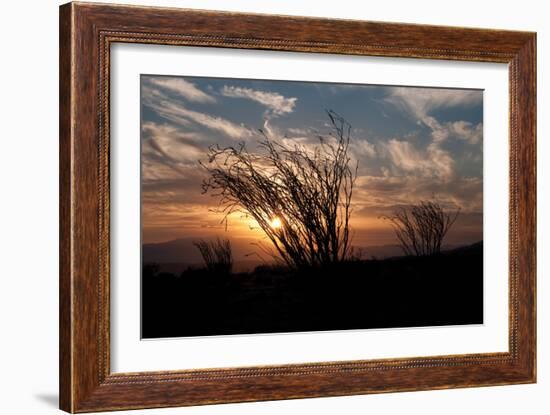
29, 227
129, 354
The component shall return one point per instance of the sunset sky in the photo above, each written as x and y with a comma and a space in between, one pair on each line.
410, 144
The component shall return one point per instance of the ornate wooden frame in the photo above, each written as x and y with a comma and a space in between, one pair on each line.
86, 33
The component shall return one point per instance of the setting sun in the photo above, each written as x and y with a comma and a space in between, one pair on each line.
276, 223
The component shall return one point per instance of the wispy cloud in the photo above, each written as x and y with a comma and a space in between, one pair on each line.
184, 88
406, 159
171, 142
420, 102
342, 88
379, 195
175, 111
276, 103
167, 152
463, 130
229, 128
362, 147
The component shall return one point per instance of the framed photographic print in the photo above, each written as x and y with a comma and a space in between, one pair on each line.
261, 207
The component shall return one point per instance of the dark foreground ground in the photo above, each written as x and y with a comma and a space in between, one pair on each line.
398, 292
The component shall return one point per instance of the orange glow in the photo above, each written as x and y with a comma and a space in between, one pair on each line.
275, 223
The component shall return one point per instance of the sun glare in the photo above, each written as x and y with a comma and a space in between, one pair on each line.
276, 223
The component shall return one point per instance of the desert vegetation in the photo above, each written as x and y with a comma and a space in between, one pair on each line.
300, 196
217, 255
421, 228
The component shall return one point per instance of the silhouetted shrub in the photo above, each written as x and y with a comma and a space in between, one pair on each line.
299, 195
217, 255
421, 228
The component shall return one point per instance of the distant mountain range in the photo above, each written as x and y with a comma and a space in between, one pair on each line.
183, 250
178, 254
178, 250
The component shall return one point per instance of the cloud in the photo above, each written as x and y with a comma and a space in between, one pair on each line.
229, 128
171, 142
167, 152
179, 114
184, 88
276, 103
379, 195
422, 101
463, 130
466, 131
362, 147
406, 159
299, 131
341, 88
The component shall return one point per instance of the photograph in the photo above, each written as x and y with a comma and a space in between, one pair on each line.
274, 206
